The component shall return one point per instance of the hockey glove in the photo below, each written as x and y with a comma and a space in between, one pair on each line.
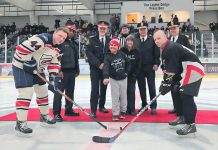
30, 66
175, 86
55, 81
165, 87
38, 80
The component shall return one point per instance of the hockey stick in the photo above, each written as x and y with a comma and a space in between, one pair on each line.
99, 139
69, 99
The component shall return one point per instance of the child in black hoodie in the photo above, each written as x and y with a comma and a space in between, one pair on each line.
133, 54
115, 71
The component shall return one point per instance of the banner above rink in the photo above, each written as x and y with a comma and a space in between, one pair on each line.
156, 8
156, 5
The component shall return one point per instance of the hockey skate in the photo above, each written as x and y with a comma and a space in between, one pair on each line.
178, 121
47, 121
22, 129
188, 130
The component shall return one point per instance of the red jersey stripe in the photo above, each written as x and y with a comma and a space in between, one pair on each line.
188, 73
22, 103
18, 56
49, 46
42, 101
53, 67
22, 50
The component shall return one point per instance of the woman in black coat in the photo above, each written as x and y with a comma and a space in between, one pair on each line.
133, 54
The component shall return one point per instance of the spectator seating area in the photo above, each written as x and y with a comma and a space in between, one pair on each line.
85, 30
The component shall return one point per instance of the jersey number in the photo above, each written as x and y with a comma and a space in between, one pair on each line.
33, 44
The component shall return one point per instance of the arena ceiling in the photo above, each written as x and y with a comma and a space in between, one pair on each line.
64, 1
199, 4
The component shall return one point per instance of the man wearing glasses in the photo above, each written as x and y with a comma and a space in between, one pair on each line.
70, 70
97, 47
176, 37
150, 60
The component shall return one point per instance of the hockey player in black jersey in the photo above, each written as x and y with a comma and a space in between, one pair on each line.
179, 60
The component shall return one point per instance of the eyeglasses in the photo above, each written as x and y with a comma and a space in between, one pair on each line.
143, 29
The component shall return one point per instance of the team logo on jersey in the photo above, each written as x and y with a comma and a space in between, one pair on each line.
44, 60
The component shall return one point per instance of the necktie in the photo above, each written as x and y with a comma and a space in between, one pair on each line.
102, 41
173, 39
143, 39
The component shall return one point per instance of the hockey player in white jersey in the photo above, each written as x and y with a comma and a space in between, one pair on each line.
36, 53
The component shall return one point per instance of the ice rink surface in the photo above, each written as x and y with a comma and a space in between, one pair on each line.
78, 135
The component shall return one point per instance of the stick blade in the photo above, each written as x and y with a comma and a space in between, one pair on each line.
99, 139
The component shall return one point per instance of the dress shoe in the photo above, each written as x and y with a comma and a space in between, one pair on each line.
58, 118
103, 110
142, 108
127, 112
153, 111
132, 113
71, 113
173, 111
93, 115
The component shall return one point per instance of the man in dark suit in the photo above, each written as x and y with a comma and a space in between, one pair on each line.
176, 37
150, 60
97, 47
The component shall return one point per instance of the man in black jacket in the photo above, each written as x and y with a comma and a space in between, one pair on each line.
70, 70
176, 37
150, 60
97, 46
